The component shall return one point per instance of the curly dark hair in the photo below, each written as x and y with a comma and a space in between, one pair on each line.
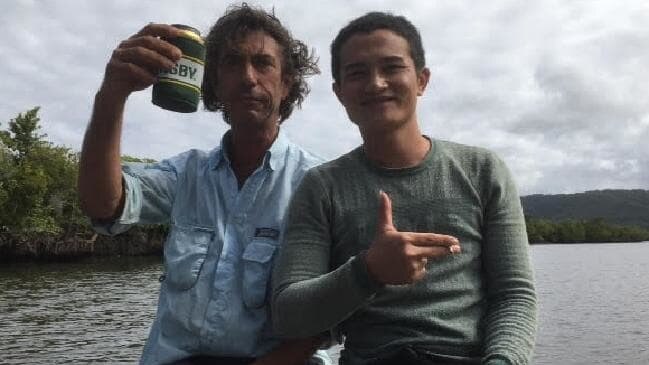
373, 21
238, 21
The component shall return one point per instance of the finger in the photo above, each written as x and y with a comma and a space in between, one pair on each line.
430, 239
136, 75
427, 252
419, 271
158, 30
158, 45
385, 213
144, 58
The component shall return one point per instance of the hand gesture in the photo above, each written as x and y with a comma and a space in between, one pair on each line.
401, 257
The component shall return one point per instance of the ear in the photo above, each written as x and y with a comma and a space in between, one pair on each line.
422, 81
336, 89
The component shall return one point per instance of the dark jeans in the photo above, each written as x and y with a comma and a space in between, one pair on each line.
412, 356
214, 360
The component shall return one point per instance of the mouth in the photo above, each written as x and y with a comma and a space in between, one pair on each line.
253, 101
378, 100
253, 98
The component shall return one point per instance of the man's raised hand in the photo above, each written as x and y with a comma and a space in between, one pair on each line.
136, 62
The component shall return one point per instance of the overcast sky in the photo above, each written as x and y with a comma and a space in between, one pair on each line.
559, 89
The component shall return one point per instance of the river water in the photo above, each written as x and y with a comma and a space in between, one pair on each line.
593, 299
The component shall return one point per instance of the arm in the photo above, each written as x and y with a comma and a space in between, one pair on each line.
133, 66
100, 175
308, 298
510, 322
290, 352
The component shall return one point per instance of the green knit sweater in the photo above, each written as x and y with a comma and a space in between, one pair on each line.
477, 306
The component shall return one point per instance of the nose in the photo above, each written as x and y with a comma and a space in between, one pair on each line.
249, 74
376, 82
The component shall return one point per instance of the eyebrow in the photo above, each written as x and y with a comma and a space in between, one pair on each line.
388, 59
234, 53
392, 59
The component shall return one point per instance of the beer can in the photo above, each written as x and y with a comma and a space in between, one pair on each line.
179, 89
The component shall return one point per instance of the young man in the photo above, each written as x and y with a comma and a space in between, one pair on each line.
225, 207
414, 248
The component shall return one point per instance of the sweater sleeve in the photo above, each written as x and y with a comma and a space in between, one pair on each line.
309, 298
510, 322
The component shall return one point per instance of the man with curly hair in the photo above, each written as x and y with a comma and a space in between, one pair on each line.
225, 207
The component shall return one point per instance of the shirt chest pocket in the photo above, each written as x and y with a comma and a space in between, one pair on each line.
185, 254
257, 262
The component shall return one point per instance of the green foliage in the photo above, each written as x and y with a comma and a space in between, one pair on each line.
37, 182
127, 158
22, 137
6, 170
574, 231
620, 207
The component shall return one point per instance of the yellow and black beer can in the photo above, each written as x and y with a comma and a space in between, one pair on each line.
179, 89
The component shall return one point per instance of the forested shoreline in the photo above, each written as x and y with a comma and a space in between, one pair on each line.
582, 231
40, 216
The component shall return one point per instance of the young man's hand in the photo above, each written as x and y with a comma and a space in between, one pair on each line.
401, 257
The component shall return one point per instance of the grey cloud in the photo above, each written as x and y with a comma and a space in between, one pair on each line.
558, 89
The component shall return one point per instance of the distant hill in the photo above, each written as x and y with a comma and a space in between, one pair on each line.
622, 207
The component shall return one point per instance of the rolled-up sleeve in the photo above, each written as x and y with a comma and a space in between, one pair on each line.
149, 191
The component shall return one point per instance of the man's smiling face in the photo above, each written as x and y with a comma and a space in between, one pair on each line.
378, 82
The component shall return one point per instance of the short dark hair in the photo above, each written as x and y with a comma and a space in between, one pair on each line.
374, 21
238, 21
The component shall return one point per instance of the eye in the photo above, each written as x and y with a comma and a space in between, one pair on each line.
263, 62
394, 68
354, 74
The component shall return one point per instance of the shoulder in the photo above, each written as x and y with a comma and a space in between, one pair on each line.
484, 168
474, 160
487, 172
188, 160
463, 152
341, 165
303, 158
336, 172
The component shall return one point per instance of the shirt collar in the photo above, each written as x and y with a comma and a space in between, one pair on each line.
272, 158
277, 152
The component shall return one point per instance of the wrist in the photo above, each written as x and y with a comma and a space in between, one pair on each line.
369, 266
111, 95
363, 273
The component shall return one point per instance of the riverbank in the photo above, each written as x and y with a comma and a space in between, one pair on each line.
139, 241
135, 242
585, 243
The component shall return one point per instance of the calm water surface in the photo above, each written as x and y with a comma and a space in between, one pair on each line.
593, 299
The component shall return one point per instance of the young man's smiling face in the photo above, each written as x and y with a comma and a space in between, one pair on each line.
378, 81
251, 83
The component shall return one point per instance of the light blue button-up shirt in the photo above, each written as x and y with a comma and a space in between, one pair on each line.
220, 248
